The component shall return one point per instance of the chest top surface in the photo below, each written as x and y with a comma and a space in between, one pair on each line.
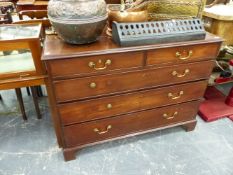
55, 48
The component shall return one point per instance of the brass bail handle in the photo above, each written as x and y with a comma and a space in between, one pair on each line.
174, 97
181, 57
103, 132
166, 116
106, 64
178, 75
24, 75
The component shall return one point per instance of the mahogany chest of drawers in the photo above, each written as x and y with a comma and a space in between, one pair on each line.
101, 92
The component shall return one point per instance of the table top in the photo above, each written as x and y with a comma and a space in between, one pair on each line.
55, 48
220, 12
19, 31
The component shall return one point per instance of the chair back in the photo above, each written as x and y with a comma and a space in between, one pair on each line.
33, 14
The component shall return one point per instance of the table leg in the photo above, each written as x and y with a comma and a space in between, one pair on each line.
20, 100
35, 100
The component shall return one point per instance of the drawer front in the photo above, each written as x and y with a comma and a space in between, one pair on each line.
183, 54
95, 64
87, 110
80, 88
94, 131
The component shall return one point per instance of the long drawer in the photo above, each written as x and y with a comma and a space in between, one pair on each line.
80, 88
94, 131
95, 64
182, 54
87, 110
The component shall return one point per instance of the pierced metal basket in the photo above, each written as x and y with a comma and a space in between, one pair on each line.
132, 34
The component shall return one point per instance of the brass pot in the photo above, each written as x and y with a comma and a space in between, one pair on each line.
78, 21
114, 14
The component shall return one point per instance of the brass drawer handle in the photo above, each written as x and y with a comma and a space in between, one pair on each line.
175, 73
166, 116
174, 97
179, 55
93, 85
109, 106
103, 132
106, 64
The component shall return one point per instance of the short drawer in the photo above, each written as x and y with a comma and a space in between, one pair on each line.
87, 110
183, 54
94, 64
94, 131
80, 88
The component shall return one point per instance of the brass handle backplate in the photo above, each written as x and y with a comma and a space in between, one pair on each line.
166, 116
103, 132
174, 97
178, 75
92, 85
181, 57
106, 64
109, 106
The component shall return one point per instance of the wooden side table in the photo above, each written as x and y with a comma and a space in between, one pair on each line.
20, 64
